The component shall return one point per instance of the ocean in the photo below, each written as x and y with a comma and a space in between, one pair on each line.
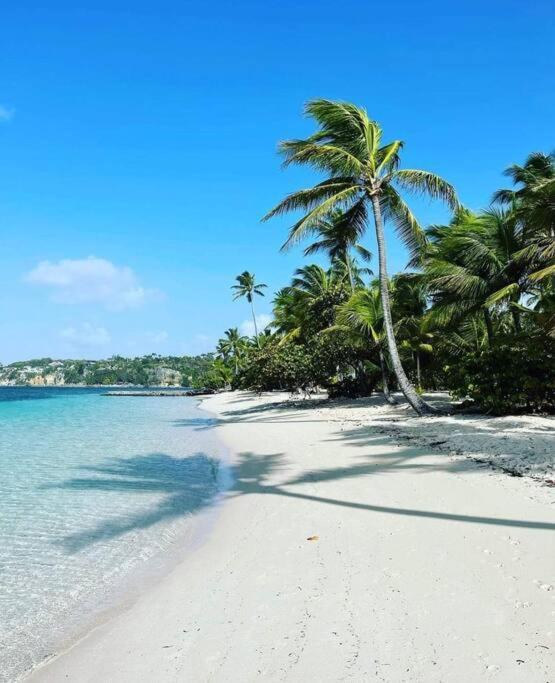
97, 494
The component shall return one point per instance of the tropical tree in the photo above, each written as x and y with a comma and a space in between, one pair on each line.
310, 301
532, 203
362, 176
362, 315
409, 307
472, 265
248, 287
222, 373
231, 348
338, 236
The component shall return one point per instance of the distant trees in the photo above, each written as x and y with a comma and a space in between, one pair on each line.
248, 288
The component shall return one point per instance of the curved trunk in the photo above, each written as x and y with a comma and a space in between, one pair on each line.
416, 402
388, 397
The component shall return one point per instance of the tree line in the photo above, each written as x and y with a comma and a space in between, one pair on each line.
474, 313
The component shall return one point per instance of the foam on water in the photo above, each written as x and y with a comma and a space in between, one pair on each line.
93, 490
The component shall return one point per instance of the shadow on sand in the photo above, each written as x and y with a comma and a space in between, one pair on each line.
190, 484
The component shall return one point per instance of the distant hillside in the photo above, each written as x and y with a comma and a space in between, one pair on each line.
152, 370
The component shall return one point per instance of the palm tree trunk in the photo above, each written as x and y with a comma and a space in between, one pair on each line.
489, 325
416, 402
516, 321
255, 325
388, 397
349, 271
418, 378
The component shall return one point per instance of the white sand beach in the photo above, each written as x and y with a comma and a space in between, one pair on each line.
343, 553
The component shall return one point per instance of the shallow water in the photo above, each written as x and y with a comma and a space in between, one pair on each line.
94, 490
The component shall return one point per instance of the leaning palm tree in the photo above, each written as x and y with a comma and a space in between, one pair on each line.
362, 175
338, 236
248, 287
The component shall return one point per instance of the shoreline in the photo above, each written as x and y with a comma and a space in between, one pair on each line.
141, 572
409, 547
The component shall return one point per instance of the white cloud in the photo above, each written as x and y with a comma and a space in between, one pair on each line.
6, 114
262, 321
91, 280
86, 335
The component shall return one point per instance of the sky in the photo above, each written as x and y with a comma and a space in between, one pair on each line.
138, 146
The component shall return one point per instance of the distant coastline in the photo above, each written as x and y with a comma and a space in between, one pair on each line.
144, 371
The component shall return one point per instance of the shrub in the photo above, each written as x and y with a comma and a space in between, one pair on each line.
515, 375
327, 360
286, 367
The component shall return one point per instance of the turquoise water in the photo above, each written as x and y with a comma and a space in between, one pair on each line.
95, 491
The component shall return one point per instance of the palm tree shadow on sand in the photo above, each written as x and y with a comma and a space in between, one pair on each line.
190, 484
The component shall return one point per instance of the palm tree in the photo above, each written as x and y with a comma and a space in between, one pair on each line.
222, 372
533, 207
231, 348
409, 305
308, 304
471, 265
338, 235
313, 280
363, 315
248, 287
362, 175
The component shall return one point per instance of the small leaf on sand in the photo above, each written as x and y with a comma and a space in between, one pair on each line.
313, 538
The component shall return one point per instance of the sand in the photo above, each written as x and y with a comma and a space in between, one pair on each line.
340, 554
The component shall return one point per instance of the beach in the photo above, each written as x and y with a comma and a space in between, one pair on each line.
339, 554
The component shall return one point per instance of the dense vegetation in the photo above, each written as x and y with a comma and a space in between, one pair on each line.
473, 314
147, 370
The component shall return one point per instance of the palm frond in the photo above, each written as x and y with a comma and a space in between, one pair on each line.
308, 198
325, 157
426, 183
309, 222
408, 228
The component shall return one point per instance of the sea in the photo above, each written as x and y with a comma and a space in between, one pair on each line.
98, 495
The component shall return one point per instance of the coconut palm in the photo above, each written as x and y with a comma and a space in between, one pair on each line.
248, 287
307, 306
409, 306
533, 205
471, 266
338, 236
222, 373
231, 348
363, 315
362, 176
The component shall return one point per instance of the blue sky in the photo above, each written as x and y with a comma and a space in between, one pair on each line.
137, 146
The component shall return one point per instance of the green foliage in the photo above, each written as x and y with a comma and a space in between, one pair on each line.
515, 375
217, 376
477, 315
145, 370
287, 367
325, 361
